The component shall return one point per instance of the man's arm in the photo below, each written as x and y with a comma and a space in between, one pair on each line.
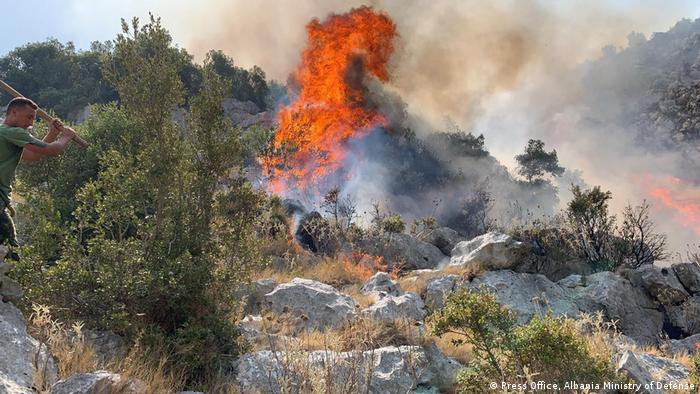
50, 146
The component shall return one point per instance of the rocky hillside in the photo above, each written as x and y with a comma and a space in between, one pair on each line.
653, 308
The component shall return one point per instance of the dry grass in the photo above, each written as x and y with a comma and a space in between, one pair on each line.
347, 356
74, 355
362, 300
462, 353
340, 271
154, 376
417, 283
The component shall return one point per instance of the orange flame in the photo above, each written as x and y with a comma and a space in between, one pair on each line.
364, 266
682, 197
311, 142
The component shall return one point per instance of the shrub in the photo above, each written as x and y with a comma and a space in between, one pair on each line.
160, 233
641, 243
591, 227
547, 347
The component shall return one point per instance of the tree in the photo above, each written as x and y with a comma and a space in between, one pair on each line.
535, 162
590, 225
160, 233
642, 245
57, 76
245, 85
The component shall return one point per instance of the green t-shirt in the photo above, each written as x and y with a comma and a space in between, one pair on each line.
12, 141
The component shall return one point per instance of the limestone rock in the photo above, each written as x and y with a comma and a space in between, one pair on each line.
491, 251
393, 370
661, 283
637, 315
689, 275
17, 353
389, 308
437, 289
317, 305
381, 282
686, 316
526, 294
687, 345
402, 249
645, 368
444, 238
97, 382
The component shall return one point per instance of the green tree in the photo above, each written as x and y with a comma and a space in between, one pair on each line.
591, 226
535, 162
245, 85
57, 76
160, 234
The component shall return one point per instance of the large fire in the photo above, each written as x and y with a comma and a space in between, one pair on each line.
681, 197
330, 108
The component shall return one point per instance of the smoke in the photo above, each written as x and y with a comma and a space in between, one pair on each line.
511, 70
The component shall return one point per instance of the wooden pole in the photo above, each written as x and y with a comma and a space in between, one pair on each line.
41, 113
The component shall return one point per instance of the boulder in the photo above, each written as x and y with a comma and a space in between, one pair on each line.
526, 294
491, 251
254, 295
554, 269
686, 316
108, 345
381, 282
437, 289
444, 238
647, 370
637, 315
390, 308
402, 249
317, 305
687, 345
17, 353
391, 369
98, 382
689, 275
572, 281
10, 290
264, 338
661, 283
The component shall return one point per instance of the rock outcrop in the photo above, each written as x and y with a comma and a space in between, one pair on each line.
491, 251
18, 351
437, 290
403, 250
389, 308
444, 238
648, 370
390, 370
98, 382
315, 305
381, 282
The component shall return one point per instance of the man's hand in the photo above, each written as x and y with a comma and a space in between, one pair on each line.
68, 132
55, 127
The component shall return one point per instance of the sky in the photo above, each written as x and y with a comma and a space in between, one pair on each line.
208, 24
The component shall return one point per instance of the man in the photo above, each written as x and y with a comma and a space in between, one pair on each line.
16, 143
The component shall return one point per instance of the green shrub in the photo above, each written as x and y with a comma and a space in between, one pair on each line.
548, 348
393, 224
158, 233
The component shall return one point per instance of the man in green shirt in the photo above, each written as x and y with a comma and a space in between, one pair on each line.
16, 143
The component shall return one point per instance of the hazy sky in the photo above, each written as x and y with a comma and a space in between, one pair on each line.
205, 24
